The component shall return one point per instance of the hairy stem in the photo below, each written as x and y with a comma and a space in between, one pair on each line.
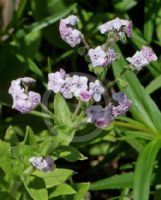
77, 110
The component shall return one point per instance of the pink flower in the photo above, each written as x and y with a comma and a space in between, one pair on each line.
85, 96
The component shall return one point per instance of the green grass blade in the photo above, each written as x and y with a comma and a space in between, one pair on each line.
153, 85
144, 168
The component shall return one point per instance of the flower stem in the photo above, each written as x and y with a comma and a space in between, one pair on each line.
85, 42
112, 83
76, 110
132, 126
45, 108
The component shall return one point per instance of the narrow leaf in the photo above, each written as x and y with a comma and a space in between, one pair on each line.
153, 85
115, 182
144, 168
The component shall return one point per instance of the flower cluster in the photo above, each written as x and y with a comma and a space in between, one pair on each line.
103, 116
68, 32
43, 164
24, 100
100, 116
117, 25
123, 104
100, 57
142, 58
75, 86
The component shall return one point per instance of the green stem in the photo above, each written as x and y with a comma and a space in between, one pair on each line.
40, 114
16, 184
85, 42
76, 110
112, 83
45, 108
128, 125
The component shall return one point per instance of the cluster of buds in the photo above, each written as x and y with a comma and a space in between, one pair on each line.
75, 86
119, 26
102, 58
104, 55
68, 32
100, 55
101, 117
142, 58
42, 164
24, 100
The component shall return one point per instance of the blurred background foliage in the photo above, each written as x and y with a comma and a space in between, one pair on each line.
30, 45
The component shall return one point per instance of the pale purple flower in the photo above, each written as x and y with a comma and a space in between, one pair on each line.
93, 113
79, 84
99, 57
56, 80
67, 89
100, 116
119, 25
85, 96
68, 33
138, 60
16, 85
142, 58
123, 106
34, 97
42, 164
96, 90
128, 28
148, 53
23, 100
23, 105
71, 20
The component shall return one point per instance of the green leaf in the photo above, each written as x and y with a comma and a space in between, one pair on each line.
144, 168
36, 188
136, 134
19, 12
125, 5
138, 38
157, 193
143, 108
50, 20
61, 111
34, 68
121, 181
27, 43
82, 189
12, 67
69, 153
148, 30
24, 152
30, 138
11, 136
63, 189
153, 85
56, 177
5, 157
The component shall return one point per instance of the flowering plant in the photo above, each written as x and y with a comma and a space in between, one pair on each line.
81, 116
